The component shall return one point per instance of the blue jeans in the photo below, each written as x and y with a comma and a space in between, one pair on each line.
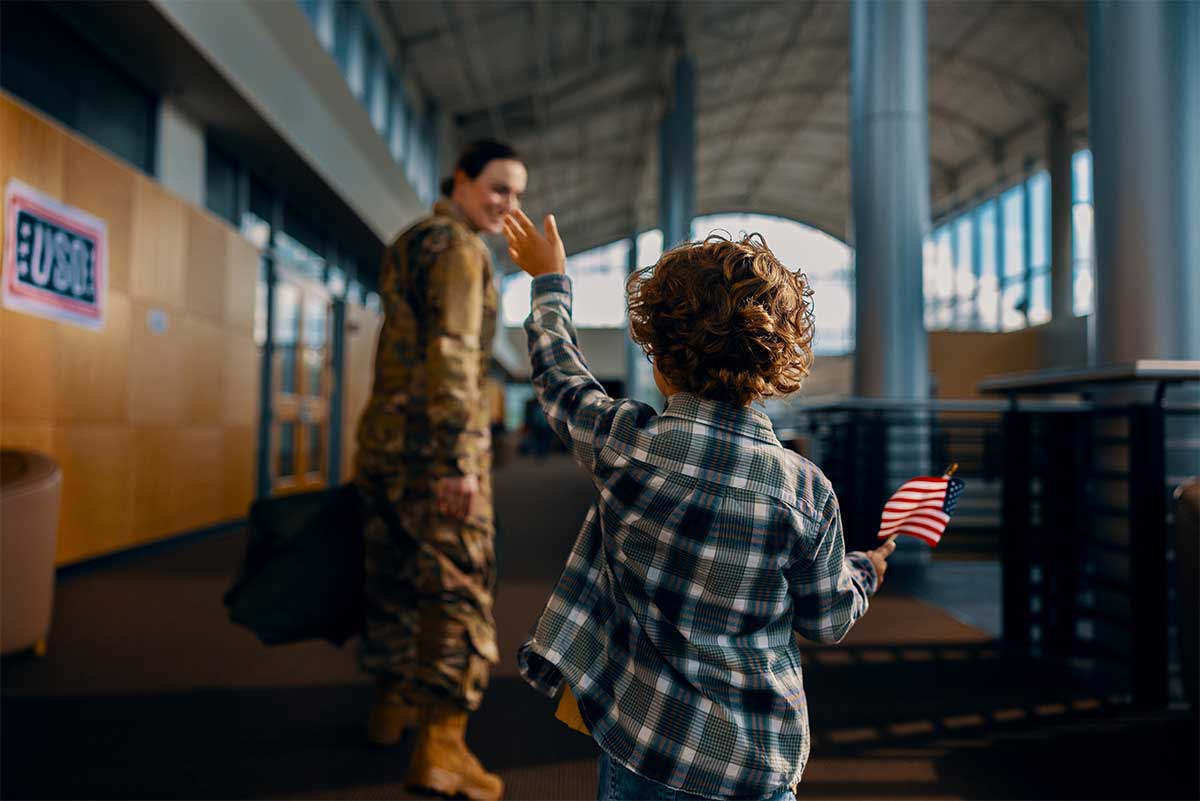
618, 783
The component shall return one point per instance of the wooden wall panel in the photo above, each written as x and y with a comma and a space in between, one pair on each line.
159, 245
155, 432
241, 282
28, 365
206, 271
201, 484
92, 366
238, 451
101, 186
240, 363
156, 371
154, 483
204, 391
96, 461
30, 436
31, 148
959, 360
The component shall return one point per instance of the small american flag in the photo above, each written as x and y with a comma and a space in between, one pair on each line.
921, 508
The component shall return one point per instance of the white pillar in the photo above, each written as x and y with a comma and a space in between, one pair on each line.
1144, 103
889, 140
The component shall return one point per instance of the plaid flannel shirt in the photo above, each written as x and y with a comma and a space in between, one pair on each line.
709, 544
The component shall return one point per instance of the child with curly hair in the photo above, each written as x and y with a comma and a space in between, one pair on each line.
670, 632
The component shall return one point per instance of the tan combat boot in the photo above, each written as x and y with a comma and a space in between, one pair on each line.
442, 762
390, 715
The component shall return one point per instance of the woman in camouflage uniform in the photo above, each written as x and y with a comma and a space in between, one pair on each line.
424, 469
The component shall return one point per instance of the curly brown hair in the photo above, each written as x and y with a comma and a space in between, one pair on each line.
724, 319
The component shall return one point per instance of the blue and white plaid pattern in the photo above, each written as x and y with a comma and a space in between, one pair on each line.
709, 544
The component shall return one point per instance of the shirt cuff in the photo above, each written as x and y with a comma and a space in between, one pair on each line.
865, 568
549, 284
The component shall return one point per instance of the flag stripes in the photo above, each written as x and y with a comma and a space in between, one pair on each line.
921, 508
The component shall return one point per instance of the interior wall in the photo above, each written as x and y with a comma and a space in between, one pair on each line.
155, 432
959, 360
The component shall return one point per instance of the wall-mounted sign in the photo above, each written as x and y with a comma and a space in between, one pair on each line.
55, 258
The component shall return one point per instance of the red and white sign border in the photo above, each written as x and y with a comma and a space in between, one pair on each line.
41, 303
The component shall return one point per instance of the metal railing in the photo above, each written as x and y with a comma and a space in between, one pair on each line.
868, 448
1070, 493
1088, 560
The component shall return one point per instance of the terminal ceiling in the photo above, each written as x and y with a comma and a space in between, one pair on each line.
579, 88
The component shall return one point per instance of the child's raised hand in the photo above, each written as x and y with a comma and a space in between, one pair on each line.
532, 252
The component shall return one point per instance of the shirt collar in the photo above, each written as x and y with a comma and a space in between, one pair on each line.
448, 208
747, 421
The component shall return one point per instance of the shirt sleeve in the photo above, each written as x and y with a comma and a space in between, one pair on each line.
453, 322
830, 589
576, 406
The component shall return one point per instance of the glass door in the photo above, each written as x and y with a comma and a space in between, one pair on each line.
302, 385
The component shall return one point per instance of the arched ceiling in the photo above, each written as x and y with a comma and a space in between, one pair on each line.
579, 88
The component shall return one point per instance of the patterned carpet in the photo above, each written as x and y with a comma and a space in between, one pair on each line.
148, 692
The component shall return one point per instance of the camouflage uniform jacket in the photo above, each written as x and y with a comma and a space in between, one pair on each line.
428, 417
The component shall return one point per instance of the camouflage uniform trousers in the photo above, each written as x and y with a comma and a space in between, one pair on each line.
429, 630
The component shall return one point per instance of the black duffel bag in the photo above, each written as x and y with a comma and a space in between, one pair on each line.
302, 572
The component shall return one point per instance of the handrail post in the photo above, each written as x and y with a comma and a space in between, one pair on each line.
1016, 588
1148, 554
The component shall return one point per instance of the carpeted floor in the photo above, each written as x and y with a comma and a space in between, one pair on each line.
148, 692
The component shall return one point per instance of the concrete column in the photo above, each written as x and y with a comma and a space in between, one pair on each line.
677, 157
1144, 103
1062, 273
889, 140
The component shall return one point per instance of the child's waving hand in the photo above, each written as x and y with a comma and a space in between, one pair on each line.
532, 252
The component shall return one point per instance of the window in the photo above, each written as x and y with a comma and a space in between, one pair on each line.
599, 275
398, 138
987, 298
347, 44
964, 273
1012, 260
1037, 197
375, 84
221, 185
1083, 235
46, 64
299, 245
415, 155
411, 138
988, 269
939, 279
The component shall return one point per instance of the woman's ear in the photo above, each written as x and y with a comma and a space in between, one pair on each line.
460, 179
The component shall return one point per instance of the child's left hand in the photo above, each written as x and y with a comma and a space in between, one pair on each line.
532, 252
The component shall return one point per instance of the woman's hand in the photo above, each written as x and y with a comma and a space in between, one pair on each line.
532, 252
455, 496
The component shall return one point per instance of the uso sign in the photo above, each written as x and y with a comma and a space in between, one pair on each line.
55, 258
